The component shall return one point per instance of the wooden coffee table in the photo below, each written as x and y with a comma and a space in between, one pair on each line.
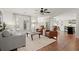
33, 33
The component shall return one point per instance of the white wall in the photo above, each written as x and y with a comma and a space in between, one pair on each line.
8, 17
42, 21
66, 16
63, 17
77, 26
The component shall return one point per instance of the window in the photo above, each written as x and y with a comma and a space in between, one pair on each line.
22, 22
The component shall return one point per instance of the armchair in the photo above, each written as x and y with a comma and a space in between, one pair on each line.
52, 34
40, 30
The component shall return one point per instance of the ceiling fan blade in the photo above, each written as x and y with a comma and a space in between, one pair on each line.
47, 12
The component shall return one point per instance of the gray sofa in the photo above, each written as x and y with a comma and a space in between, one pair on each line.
11, 42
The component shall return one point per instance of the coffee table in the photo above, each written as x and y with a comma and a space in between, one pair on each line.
33, 33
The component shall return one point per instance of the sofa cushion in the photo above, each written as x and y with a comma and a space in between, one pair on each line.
6, 34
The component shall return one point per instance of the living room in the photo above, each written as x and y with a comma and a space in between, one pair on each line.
25, 24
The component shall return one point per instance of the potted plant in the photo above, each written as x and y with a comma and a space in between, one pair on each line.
2, 26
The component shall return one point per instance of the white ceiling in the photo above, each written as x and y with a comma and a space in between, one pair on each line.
36, 11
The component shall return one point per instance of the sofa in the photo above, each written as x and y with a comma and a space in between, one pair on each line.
10, 42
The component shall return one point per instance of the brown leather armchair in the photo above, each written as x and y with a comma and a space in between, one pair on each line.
40, 30
52, 34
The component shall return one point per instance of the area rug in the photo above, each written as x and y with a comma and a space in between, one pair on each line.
37, 43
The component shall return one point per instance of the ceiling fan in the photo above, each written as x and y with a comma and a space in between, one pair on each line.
43, 11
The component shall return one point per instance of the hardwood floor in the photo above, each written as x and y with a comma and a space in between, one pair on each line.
65, 42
